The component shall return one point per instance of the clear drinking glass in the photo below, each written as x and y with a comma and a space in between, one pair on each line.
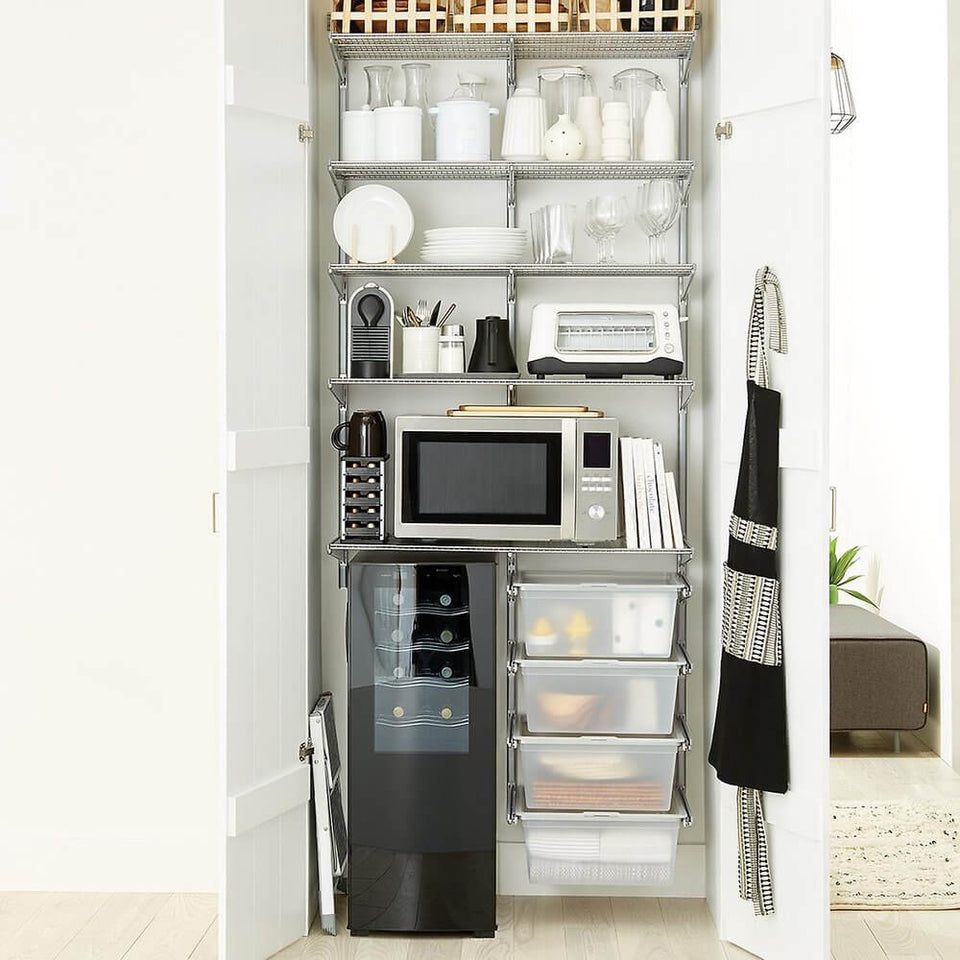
551, 230
606, 217
379, 76
416, 78
658, 206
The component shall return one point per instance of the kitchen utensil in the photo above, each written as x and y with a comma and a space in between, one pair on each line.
634, 86
421, 346
416, 77
435, 314
366, 434
370, 335
492, 350
452, 349
463, 123
659, 129
359, 136
446, 316
422, 311
524, 126
564, 140
373, 224
379, 77
605, 339
561, 86
412, 320
606, 217
398, 133
552, 228
495, 408
590, 124
658, 205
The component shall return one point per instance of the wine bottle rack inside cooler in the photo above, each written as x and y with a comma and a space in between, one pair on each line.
362, 498
422, 745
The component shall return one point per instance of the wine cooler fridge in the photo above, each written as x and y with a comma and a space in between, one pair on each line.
422, 754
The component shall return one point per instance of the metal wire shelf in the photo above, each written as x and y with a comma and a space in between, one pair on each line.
519, 46
343, 170
340, 547
682, 270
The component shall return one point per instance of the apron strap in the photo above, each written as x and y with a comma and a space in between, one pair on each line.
768, 325
754, 864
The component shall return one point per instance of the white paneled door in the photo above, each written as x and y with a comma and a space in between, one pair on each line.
264, 899
770, 63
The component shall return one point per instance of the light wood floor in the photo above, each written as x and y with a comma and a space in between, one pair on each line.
62, 926
863, 766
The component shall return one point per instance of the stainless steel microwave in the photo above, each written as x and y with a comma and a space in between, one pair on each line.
506, 478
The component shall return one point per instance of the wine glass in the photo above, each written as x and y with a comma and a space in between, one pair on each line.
658, 206
606, 217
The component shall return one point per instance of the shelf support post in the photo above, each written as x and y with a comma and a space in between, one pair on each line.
511, 66
511, 591
512, 307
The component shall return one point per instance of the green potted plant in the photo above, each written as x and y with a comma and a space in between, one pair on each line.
839, 567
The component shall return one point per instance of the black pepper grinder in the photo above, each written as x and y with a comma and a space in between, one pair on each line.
492, 351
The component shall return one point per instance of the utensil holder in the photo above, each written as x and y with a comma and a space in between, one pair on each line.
421, 349
362, 498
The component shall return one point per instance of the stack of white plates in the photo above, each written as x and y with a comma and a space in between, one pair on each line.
474, 245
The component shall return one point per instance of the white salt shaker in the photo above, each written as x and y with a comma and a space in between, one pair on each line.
452, 353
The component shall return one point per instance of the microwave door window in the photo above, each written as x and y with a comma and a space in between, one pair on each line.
482, 478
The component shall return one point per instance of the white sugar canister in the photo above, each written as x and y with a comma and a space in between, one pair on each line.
398, 132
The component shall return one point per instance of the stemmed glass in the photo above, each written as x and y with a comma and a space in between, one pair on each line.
658, 206
606, 217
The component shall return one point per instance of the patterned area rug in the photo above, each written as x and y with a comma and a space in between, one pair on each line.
895, 856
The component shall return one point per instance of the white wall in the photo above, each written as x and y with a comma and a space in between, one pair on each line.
953, 27
890, 375
109, 389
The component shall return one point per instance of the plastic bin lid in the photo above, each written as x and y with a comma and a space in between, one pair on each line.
600, 581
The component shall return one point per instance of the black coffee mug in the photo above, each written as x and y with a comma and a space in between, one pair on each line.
366, 435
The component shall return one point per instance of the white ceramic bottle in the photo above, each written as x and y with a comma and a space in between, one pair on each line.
591, 126
564, 141
659, 129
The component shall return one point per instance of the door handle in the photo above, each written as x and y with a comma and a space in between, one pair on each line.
833, 509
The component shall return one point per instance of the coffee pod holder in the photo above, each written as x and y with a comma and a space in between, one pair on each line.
362, 499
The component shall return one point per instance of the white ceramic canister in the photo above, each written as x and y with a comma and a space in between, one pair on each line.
420, 349
659, 129
524, 126
591, 126
463, 129
359, 142
398, 132
452, 356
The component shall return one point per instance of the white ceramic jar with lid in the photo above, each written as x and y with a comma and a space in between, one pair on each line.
398, 132
463, 123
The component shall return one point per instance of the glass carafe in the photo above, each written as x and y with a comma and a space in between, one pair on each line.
416, 79
634, 86
561, 87
379, 76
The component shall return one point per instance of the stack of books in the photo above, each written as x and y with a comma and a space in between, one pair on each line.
651, 510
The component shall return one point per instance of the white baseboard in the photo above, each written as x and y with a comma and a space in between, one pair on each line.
689, 879
110, 861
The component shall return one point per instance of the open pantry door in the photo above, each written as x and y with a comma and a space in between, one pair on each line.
265, 902
766, 132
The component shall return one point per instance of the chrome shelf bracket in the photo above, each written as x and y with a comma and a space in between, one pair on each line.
339, 282
339, 391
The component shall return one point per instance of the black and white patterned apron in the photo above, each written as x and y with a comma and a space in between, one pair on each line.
749, 748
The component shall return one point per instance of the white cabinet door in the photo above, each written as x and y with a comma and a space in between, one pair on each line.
265, 902
765, 71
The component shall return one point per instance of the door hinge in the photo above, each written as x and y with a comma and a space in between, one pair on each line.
306, 750
305, 132
724, 130
215, 512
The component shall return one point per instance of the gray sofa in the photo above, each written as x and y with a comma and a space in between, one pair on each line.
878, 673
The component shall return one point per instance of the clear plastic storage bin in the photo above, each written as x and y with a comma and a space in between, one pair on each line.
598, 773
607, 616
592, 848
599, 696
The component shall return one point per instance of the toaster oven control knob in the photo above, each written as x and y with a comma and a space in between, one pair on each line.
596, 512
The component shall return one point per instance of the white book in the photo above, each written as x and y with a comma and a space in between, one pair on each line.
629, 494
650, 486
640, 494
673, 503
665, 525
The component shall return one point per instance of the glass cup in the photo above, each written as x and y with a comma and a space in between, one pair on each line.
552, 232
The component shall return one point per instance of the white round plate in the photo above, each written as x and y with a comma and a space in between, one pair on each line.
475, 232
455, 257
363, 218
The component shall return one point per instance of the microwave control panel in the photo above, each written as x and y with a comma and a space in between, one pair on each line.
597, 471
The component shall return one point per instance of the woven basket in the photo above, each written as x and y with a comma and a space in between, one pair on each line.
654, 16
388, 16
511, 16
